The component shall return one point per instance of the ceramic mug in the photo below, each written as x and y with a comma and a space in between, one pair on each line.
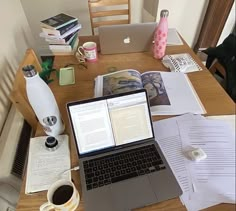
89, 51
62, 195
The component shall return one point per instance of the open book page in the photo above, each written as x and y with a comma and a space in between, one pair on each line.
117, 82
171, 93
46, 167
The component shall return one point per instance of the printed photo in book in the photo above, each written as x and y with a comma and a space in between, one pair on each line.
169, 93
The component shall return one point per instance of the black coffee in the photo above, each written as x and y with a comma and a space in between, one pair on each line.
62, 194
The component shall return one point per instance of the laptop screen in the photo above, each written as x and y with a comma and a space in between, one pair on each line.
110, 121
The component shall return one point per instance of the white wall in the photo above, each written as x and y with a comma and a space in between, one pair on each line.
149, 11
15, 38
228, 25
36, 11
186, 16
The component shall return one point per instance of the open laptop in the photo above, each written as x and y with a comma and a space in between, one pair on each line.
126, 38
121, 164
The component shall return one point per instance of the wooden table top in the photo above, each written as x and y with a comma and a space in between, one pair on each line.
212, 95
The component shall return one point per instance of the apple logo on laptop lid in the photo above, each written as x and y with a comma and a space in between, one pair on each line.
127, 40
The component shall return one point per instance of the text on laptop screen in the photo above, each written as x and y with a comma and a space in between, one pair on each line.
111, 122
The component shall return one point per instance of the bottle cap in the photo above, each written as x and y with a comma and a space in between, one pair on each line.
164, 13
29, 71
51, 143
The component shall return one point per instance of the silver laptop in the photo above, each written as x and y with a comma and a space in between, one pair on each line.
126, 38
121, 164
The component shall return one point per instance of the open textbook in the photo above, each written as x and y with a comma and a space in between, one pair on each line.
170, 93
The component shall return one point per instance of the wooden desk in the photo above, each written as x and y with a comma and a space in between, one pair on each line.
213, 97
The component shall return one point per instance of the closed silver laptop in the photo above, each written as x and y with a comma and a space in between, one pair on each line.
126, 38
121, 164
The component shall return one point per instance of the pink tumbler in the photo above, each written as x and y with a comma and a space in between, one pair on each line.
160, 37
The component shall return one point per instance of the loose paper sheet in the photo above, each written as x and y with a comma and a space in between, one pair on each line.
46, 167
213, 177
231, 119
168, 137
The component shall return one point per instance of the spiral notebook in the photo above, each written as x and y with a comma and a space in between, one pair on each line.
181, 63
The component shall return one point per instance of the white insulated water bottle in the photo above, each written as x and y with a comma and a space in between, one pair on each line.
43, 102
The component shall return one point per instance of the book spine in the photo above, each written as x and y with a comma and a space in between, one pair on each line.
51, 32
66, 28
71, 21
74, 29
60, 48
57, 52
70, 36
66, 47
56, 42
75, 43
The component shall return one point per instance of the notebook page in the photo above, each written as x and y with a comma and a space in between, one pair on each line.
46, 167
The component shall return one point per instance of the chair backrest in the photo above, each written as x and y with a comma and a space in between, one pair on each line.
108, 12
18, 94
216, 66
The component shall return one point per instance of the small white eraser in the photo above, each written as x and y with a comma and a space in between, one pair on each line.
197, 154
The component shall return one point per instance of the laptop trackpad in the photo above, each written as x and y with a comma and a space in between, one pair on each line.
133, 193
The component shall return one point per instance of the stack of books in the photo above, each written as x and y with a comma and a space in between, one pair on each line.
61, 32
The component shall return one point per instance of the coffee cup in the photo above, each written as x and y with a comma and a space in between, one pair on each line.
89, 51
62, 195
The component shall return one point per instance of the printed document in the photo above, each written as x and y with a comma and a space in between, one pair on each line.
168, 137
214, 176
46, 167
231, 119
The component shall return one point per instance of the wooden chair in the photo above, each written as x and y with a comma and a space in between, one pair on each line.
216, 66
18, 94
108, 12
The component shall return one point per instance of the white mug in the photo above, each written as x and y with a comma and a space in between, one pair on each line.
62, 195
89, 51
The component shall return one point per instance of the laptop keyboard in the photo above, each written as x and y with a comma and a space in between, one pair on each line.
121, 166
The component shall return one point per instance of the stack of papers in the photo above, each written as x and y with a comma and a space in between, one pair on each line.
207, 182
